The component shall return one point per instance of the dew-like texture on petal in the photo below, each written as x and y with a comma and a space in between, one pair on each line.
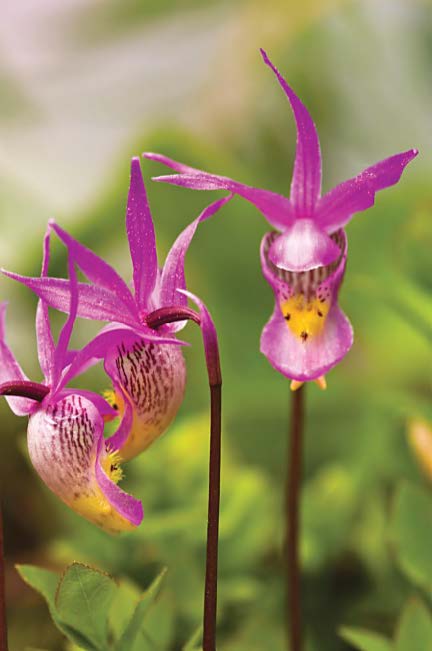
66, 447
173, 272
337, 207
45, 342
96, 269
153, 377
306, 180
10, 370
307, 333
303, 246
93, 303
275, 208
141, 236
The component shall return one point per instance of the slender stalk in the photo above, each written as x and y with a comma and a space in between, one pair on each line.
210, 598
3, 624
292, 505
157, 319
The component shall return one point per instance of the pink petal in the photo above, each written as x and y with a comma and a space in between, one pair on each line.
306, 361
337, 207
306, 180
97, 270
275, 208
45, 343
11, 370
107, 339
141, 235
61, 350
93, 302
173, 274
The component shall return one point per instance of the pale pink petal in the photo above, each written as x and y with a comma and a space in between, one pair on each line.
303, 246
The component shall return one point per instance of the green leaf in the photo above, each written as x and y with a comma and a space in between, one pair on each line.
83, 599
46, 583
365, 640
43, 581
122, 607
136, 624
414, 632
411, 531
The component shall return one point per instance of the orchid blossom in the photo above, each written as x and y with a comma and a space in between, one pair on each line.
304, 260
146, 366
65, 430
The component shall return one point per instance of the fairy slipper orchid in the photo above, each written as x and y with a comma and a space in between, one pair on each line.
65, 431
147, 369
304, 260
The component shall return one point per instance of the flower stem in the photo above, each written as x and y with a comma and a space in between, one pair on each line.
292, 506
157, 319
3, 624
210, 598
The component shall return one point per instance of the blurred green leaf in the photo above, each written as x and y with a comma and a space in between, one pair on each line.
46, 583
83, 599
122, 607
137, 623
414, 631
365, 640
411, 532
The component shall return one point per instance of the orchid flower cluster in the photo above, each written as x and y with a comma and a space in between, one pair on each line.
303, 260
145, 365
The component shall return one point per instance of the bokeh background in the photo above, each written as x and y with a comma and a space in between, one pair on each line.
84, 85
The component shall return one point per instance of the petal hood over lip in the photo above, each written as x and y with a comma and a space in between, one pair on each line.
286, 352
67, 448
303, 246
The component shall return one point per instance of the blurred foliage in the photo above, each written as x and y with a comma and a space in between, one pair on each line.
363, 70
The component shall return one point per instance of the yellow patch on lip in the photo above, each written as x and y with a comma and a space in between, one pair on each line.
115, 401
305, 317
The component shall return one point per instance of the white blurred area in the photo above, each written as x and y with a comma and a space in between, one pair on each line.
82, 105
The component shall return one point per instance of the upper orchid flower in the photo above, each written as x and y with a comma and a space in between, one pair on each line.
147, 369
305, 262
65, 431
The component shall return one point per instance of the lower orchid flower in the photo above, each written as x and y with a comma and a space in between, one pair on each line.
146, 366
65, 431
304, 260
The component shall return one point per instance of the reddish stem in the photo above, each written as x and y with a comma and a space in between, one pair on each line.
3, 623
157, 319
293, 488
24, 389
